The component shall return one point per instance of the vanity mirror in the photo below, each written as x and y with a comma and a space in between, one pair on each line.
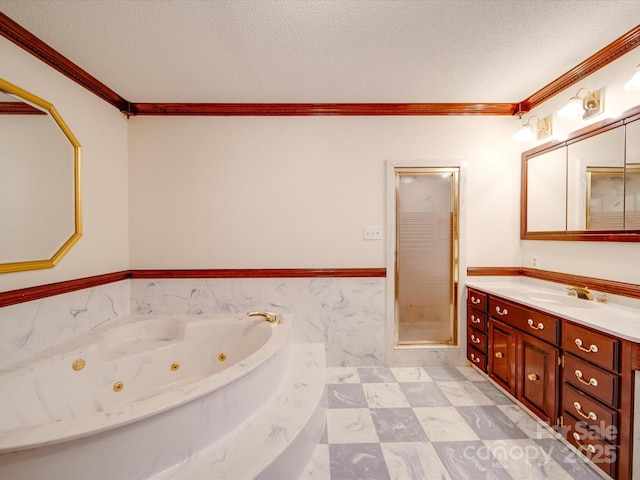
586, 187
40, 214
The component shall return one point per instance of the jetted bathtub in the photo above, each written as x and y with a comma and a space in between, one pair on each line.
136, 396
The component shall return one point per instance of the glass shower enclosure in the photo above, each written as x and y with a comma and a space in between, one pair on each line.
426, 266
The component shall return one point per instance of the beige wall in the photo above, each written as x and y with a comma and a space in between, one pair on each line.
296, 192
102, 133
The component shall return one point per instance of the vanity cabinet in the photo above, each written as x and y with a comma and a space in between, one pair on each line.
477, 339
577, 379
597, 397
523, 355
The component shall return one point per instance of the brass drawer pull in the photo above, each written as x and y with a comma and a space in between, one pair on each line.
592, 348
474, 339
475, 300
501, 312
592, 381
499, 354
474, 319
588, 416
533, 377
587, 448
475, 359
540, 325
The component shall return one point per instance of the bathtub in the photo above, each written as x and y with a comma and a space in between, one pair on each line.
136, 396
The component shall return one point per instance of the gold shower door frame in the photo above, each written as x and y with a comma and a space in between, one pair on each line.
451, 337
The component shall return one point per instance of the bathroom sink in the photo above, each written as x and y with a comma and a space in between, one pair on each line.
551, 298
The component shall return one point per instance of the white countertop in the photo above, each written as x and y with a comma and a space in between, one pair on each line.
621, 320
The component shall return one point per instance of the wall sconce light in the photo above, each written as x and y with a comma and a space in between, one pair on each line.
634, 83
526, 132
583, 107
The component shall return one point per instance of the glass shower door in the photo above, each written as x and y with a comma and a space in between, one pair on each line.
426, 255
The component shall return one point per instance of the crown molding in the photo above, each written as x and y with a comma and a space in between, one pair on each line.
29, 42
327, 109
608, 54
19, 108
32, 44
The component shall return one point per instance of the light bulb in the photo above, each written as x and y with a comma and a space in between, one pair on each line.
634, 83
572, 110
525, 134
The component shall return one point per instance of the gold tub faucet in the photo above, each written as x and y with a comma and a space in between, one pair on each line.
580, 292
268, 316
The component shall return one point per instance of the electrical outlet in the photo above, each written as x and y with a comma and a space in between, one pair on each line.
535, 260
372, 233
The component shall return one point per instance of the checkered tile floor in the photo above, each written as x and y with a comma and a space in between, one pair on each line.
433, 423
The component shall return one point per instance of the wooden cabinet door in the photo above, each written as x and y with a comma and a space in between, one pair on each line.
537, 384
502, 355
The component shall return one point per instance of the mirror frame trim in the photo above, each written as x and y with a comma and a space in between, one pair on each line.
574, 235
61, 252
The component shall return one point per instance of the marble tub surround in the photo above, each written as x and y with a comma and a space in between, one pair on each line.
465, 428
167, 423
618, 316
346, 314
279, 439
29, 328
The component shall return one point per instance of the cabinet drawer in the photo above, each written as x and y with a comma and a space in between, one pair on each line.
593, 347
477, 339
600, 419
602, 453
478, 358
476, 319
477, 300
532, 322
592, 380
541, 326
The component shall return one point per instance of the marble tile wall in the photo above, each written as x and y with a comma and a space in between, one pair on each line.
346, 314
32, 327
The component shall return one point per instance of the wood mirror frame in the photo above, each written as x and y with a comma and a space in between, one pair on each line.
575, 235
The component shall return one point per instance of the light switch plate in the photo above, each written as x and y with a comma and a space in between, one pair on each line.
372, 233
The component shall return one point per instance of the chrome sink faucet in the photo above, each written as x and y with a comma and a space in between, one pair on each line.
580, 292
268, 316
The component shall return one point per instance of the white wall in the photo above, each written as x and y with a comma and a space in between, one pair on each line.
295, 192
102, 133
608, 260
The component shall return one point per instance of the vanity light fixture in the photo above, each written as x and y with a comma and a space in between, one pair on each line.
634, 83
583, 107
527, 133
573, 109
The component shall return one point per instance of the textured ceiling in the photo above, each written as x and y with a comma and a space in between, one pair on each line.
325, 51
